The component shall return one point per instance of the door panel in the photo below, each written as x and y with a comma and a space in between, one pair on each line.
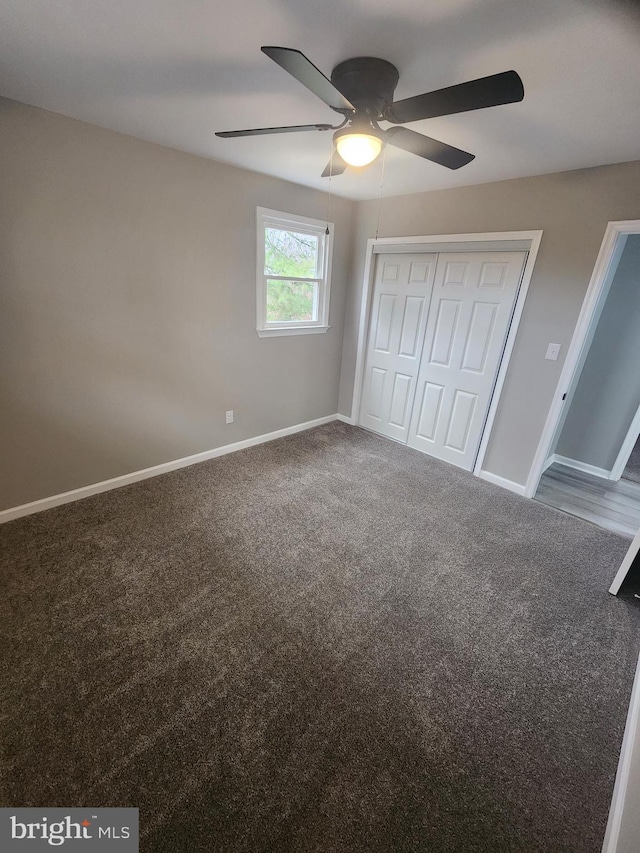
483, 318
471, 307
460, 420
444, 333
493, 274
430, 410
400, 306
385, 320
409, 340
376, 388
400, 399
455, 273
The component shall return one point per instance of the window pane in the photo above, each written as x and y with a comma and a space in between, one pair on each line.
292, 301
290, 253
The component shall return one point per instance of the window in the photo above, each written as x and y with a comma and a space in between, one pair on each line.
294, 264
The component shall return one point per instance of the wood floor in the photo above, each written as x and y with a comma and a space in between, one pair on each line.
614, 505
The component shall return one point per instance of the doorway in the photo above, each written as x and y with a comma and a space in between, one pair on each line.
438, 322
631, 470
592, 469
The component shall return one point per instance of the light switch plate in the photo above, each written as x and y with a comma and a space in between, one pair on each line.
553, 351
229, 417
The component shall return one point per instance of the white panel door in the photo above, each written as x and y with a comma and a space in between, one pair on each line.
471, 307
401, 295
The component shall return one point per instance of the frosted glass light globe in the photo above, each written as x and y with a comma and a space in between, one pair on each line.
358, 149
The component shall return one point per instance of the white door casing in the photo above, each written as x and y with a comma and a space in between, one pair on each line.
400, 305
471, 308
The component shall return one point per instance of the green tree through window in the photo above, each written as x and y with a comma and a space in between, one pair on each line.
291, 254
293, 276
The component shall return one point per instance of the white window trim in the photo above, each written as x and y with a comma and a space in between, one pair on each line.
277, 218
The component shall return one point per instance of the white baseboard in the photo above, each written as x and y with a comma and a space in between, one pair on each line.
624, 803
581, 466
145, 473
503, 482
345, 419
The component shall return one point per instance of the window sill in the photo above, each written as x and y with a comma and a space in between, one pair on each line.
292, 330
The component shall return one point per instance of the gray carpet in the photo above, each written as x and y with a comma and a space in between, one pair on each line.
632, 468
326, 643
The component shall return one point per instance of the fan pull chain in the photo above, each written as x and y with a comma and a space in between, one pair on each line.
384, 152
330, 176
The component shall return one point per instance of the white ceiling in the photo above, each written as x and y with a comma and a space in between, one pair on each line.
175, 71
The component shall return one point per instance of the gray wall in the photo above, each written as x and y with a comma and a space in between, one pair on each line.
572, 208
127, 312
127, 306
607, 395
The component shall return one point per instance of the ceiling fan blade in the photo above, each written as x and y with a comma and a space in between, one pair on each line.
297, 64
335, 166
260, 131
425, 146
504, 88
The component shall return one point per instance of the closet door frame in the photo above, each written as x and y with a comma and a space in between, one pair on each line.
528, 241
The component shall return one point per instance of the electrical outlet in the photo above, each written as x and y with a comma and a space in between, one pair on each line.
553, 351
229, 417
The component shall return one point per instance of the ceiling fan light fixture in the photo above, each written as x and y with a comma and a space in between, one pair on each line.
358, 149
362, 90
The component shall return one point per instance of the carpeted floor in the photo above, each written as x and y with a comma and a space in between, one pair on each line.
326, 643
632, 468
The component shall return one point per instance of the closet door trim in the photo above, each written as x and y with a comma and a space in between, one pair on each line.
532, 239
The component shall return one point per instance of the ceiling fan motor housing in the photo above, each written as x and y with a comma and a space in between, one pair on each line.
368, 82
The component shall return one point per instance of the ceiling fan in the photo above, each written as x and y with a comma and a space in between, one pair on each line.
361, 89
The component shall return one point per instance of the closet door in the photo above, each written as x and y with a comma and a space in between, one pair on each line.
401, 295
471, 308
